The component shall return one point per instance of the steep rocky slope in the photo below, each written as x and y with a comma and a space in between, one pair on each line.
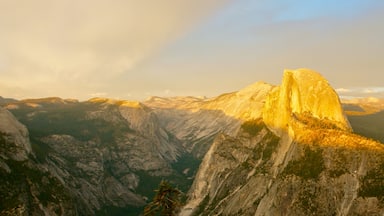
303, 92
300, 158
16, 134
196, 121
108, 155
26, 187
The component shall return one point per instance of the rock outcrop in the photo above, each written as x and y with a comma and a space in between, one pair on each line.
300, 158
196, 122
26, 187
303, 92
15, 143
104, 154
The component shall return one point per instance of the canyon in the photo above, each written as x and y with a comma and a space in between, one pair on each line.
292, 149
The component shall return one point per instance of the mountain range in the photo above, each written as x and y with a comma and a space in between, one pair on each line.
263, 150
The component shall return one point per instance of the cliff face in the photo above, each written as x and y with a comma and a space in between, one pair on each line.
238, 177
110, 154
303, 92
196, 122
300, 158
103, 154
15, 143
26, 187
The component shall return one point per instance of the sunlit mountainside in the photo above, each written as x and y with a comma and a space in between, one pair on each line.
300, 158
291, 149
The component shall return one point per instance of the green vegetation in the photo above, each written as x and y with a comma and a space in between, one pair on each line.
2, 139
166, 201
270, 147
337, 172
200, 209
148, 183
309, 166
101, 124
40, 149
118, 211
263, 150
312, 122
26, 183
253, 127
70, 119
307, 199
4, 147
373, 183
186, 161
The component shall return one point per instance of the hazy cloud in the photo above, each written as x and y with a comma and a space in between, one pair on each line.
75, 48
361, 92
342, 90
45, 41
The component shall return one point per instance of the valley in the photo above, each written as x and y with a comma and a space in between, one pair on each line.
262, 150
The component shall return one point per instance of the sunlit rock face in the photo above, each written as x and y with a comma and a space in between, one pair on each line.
244, 105
197, 121
303, 91
300, 158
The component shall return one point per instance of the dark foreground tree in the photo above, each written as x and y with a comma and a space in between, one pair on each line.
165, 202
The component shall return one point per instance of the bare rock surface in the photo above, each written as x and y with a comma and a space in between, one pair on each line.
300, 158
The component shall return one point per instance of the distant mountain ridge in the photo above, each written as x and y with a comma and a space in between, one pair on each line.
106, 156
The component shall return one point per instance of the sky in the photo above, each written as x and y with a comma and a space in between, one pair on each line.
133, 49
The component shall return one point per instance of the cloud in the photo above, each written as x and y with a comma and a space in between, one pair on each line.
374, 90
361, 92
44, 41
342, 90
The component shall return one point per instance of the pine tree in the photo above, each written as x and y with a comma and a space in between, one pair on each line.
166, 201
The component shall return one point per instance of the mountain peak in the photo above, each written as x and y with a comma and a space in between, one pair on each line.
305, 74
254, 88
303, 92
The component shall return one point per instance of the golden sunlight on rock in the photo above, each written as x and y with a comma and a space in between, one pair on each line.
303, 91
